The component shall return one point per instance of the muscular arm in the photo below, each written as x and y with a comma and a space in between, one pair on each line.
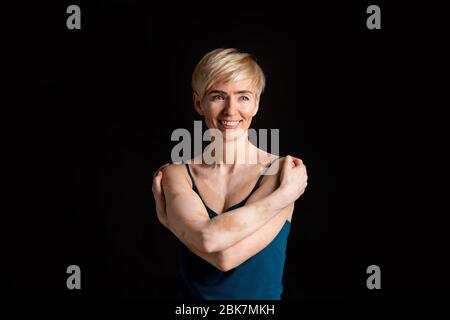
246, 248
243, 250
190, 222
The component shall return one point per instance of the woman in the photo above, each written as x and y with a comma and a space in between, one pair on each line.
233, 215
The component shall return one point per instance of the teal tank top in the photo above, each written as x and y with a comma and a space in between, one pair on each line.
258, 278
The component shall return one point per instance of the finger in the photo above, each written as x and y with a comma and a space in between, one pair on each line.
156, 186
161, 168
297, 161
158, 194
288, 161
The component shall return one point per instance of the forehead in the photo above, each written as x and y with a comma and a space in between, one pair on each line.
234, 86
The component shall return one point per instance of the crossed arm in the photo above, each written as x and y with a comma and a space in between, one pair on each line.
232, 237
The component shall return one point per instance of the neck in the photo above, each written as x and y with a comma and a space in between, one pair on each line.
235, 151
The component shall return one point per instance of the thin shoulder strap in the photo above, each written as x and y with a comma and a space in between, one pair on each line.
258, 182
194, 186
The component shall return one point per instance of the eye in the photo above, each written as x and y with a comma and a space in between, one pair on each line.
218, 97
244, 98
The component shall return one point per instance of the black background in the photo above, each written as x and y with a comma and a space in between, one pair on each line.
90, 112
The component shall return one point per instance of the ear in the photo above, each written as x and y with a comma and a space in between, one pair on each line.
197, 103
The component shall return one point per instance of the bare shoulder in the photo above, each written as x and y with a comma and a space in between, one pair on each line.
271, 182
273, 171
175, 176
276, 165
269, 178
174, 168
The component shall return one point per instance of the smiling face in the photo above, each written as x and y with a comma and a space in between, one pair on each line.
229, 107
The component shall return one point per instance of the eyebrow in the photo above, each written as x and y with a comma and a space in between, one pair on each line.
236, 92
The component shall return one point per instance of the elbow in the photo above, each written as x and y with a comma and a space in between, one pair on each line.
223, 268
221, 261
208, 243
223, 264
208, 246
200, 243
197, 242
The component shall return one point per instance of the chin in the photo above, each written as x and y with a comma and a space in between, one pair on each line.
230, 135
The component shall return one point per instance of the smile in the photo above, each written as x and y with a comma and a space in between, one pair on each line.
232, 124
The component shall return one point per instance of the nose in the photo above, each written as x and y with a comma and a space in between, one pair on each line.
231, 108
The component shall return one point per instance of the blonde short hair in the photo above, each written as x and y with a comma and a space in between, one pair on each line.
226, 65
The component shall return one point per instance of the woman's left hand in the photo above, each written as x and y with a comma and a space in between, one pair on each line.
158, 194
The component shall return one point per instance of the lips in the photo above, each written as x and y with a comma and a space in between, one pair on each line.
230, 124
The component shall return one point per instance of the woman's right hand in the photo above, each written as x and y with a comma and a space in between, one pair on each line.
293, 179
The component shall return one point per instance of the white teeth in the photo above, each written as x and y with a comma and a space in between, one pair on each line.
230, 123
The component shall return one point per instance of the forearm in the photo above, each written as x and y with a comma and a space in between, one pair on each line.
214, 258
257, 241
244, 249
228, 228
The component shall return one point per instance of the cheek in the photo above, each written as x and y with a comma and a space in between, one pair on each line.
249, 112
210, 115
206, 108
